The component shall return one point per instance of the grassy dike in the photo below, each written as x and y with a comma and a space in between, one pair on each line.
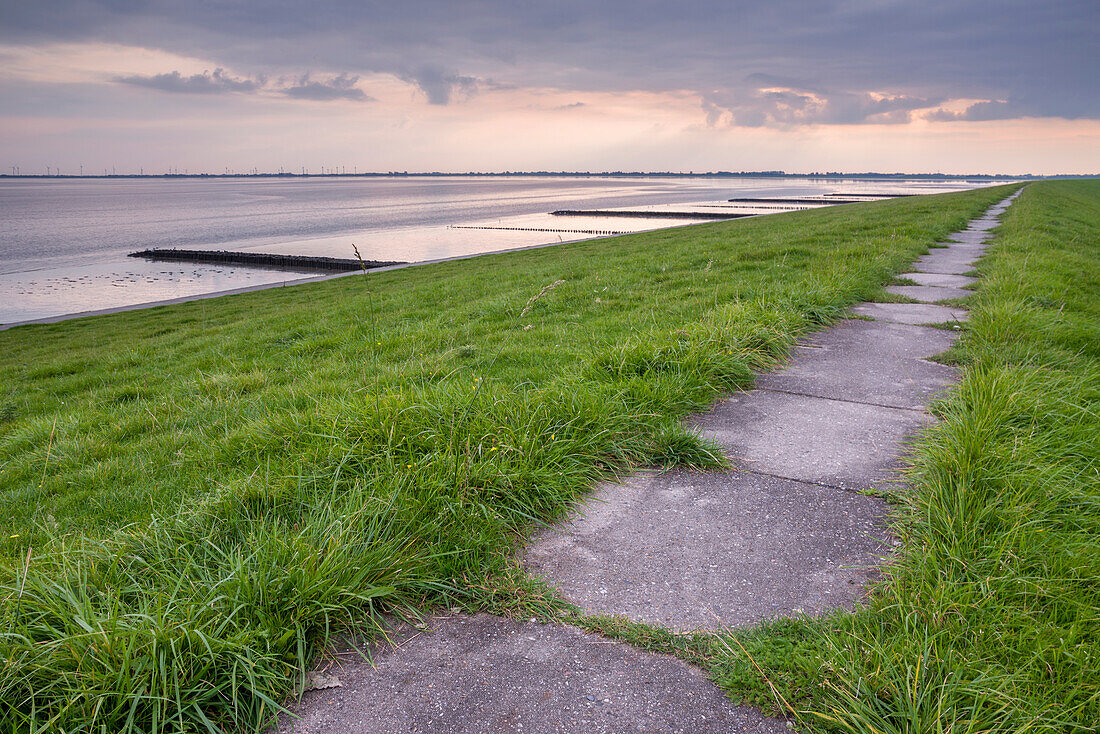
988, 619
194, 497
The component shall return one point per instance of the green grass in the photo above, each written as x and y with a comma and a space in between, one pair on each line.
195, 497
988, 619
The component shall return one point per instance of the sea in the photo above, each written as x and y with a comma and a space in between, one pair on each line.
64, 242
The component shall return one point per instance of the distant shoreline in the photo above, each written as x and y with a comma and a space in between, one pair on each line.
290, 282
47, 300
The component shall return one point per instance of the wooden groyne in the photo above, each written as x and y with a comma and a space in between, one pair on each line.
262, 260
645, 215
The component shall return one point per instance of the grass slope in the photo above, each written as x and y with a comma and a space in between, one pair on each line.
988, 620
194, 497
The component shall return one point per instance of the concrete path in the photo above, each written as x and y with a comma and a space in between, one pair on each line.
791, 530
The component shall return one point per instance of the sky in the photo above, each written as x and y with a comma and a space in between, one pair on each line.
956, 86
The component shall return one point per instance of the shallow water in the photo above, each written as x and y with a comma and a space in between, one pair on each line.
63, 243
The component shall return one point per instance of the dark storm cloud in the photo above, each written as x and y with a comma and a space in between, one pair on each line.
440, 86
339, 87
841, 61
216, 82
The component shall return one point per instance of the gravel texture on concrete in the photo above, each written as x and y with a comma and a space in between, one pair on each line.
867, 361
928, 293
910, 313
947, 261
475, 674
971, 236
691, 550
940, 279
961, 249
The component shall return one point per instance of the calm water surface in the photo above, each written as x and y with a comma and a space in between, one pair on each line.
63, 243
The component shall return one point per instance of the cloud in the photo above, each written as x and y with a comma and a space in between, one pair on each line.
759, 106
838, 59
979, 111
340, 87
440, 86
216, 82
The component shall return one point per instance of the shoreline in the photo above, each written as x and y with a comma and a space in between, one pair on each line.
300, 281
57, 296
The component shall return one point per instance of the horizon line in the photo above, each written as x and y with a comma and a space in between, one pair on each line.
677, 174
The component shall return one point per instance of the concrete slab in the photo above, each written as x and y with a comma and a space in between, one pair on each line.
910, 313
958, 247
973, 252
967, 246
927, 293
946, 261
832, 442
939, 279
680, 547
868, 361
969, 236
485, 674
963, 246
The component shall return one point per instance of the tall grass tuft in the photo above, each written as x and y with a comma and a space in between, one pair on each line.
190, 625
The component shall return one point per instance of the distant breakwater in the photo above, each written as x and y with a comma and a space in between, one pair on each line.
263, 260
849, 195
644, 215
826, 202
540, 229
780, 207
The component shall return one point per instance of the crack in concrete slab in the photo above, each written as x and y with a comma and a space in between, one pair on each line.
843, 400
810, 482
